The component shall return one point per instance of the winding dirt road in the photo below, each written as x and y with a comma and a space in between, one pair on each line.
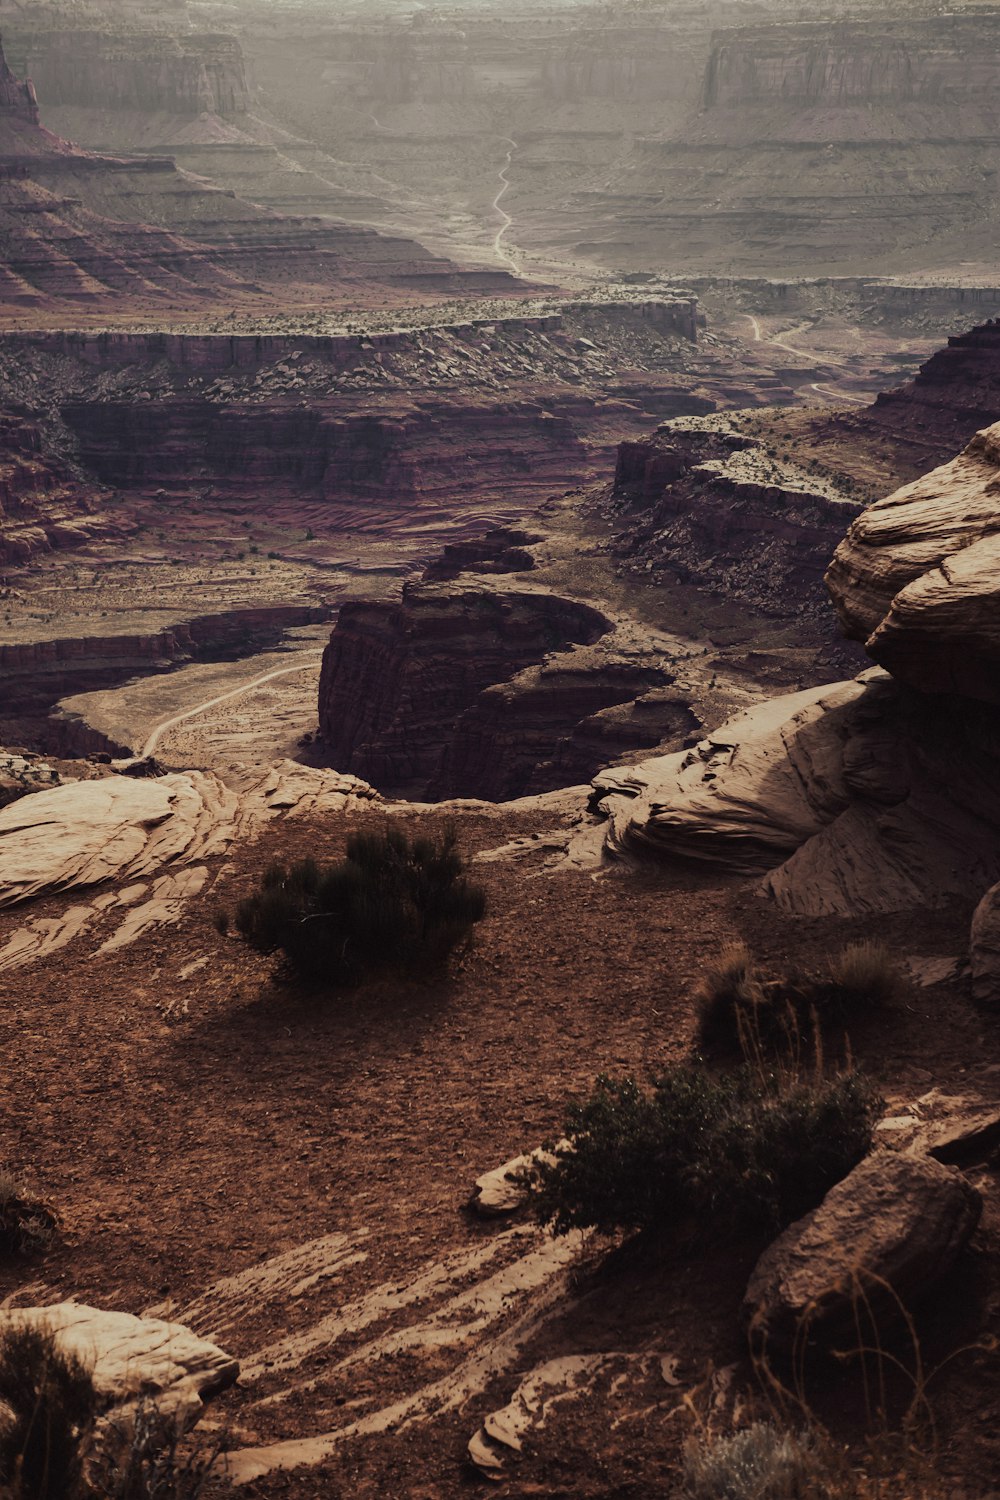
499, 249
200, 708
817, 386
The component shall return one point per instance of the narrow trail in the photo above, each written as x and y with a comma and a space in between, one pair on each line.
200, 708
827, 390
498, 246
817, 386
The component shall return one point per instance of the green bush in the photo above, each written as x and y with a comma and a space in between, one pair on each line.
731, 1154
391, 904
52, 1404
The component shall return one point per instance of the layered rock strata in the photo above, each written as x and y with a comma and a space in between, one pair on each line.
705, 503
917, 578
845, 799
815, 146
397, 677
139, 226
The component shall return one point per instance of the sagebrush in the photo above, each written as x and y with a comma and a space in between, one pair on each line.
761, 1462
722, 1155
391, 904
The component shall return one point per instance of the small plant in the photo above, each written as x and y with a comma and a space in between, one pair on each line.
220, 922
145, 1456
390, 904
727, 1155
863, 974
759, 1463
731, 995
27, 1225
743, 1009
52, 1405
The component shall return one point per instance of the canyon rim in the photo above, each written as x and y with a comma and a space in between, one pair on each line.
499, 749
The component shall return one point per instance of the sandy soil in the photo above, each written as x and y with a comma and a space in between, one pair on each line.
189, 1127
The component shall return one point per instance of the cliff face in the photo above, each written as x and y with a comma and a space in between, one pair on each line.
42, 505
817, 148
17, 98
185, 74
328, 449
948, 59
397, 677
706, 504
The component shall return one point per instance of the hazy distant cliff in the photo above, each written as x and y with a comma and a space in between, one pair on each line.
189, 74
934, 60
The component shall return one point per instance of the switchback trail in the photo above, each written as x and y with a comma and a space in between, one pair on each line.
817, 386
498, 246
200, 708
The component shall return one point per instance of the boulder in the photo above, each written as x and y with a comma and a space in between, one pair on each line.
881, 1239
857, 798
129, 1356
917, 578
984, 948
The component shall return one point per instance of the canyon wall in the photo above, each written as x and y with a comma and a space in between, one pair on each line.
188, 73
498, 686
816, 147
328, 450
396, 676
947, 59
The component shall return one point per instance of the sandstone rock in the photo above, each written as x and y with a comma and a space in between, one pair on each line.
984, 949
915, 578
86, 832
501, 1192
130, 1356
889, 1231
846, 799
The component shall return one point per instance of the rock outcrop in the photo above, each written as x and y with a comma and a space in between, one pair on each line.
880, 1240
917, 579
845, 799
703, 502
132, 1358
398, 677
83, 833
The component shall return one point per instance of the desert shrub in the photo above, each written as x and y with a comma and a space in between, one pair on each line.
733, 999
862, 975
391, 904
730, 1154
742, 1009
27, 1225
760, 1463
52, 1404
144, 1456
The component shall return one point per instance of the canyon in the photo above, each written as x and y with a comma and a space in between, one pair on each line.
566, 436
